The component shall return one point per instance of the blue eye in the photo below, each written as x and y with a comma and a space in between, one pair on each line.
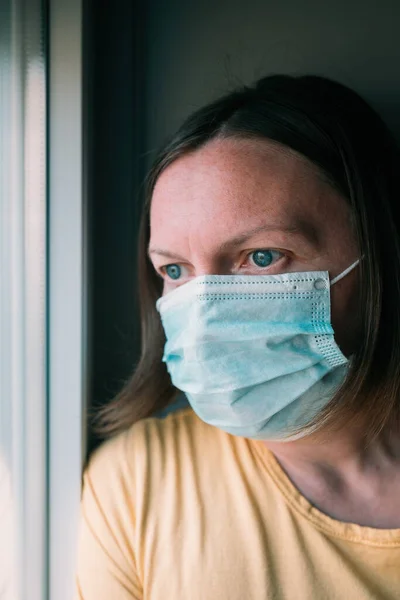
173, 271
262, 258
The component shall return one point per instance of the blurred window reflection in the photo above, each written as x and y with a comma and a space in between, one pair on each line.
23, 395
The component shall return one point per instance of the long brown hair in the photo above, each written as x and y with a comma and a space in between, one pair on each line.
339, 132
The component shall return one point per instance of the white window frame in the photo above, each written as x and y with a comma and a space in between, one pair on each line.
42, 294
67, 293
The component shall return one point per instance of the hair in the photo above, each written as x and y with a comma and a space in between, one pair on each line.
334, 128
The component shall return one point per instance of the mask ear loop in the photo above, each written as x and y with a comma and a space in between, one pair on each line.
345, 272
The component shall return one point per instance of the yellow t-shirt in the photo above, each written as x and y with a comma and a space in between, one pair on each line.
174, 509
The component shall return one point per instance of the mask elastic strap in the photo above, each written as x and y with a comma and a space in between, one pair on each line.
345, 272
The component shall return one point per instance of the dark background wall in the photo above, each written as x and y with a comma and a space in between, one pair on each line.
150, 63
196, 50
114, 103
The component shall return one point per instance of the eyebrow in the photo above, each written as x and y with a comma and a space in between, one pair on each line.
301, 229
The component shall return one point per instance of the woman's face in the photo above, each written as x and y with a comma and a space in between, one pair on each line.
254, 207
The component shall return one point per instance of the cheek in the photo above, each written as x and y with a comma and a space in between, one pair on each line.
345, 314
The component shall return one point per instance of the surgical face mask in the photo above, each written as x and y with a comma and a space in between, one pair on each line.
255, 355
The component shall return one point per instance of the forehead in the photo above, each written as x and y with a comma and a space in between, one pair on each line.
231, 180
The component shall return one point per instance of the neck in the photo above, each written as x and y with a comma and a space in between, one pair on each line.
341, 449
345, 477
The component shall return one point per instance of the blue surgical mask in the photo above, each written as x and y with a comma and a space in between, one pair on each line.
255, 355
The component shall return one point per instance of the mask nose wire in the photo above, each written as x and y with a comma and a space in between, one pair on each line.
344, 273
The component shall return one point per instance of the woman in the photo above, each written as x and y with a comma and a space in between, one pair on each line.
270, 296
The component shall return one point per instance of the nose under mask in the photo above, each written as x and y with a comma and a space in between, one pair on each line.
255, 355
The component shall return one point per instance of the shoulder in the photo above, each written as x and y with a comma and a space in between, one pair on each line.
153, 464
141, 487
162, 460
128, 473
152, 445
146, 434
